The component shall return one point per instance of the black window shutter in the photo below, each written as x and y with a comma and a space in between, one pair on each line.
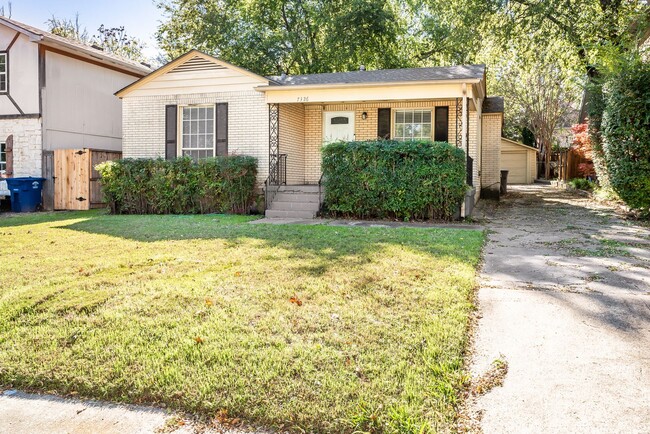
442, 124
171, 125
383, 123
222, 128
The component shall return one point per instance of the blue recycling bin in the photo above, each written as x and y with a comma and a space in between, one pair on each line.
26, 193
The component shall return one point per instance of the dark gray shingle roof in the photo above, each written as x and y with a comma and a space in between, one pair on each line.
459, 72
493, 104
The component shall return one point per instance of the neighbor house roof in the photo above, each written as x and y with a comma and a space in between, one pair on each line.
493, 104
439, 73
76, 47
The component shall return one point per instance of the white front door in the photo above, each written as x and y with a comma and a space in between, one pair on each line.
339, 126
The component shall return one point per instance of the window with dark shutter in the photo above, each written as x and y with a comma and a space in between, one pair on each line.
383, 123
171, 125
441, 133
222, 128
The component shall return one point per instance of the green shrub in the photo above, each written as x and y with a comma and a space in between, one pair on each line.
583, 184
390, 179
626, 133
222, 184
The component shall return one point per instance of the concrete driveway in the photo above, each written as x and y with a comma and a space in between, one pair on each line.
565, 299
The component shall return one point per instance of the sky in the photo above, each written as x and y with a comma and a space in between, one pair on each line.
140, 18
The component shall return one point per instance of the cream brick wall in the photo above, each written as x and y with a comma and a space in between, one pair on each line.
365, 129
292, 141
248, 124
491, 154
28, 145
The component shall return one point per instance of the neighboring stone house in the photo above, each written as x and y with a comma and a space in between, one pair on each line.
56, 94
201, 106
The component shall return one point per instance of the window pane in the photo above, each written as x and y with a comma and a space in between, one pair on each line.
408, 117
202, 127
209, 113
186, 113
417, 130
208, 127
426, 117
209, 141
399, 117
417, 117
186, 127
3, 82
186, 140
399, 131
426, 131
408, 131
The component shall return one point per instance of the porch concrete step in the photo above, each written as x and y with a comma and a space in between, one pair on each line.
283, 196
294, 206
295, 214
307, 188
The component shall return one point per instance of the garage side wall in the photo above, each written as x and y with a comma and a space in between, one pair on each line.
491, 158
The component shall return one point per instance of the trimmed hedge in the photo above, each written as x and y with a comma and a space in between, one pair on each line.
626, 133
181, 186
391, 179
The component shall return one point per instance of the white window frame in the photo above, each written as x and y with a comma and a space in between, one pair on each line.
3, 157
180, 133
413, 110
5, 74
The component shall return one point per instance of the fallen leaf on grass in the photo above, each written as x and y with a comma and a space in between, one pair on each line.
199, 340
295, 300
208, 302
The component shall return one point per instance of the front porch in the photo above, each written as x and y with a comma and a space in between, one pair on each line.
307, 112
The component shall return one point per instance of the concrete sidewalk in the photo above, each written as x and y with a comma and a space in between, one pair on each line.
565, 298
47, 414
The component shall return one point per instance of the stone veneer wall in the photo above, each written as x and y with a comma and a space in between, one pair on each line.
27, 145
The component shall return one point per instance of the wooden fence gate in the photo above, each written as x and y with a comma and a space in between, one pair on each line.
76, 182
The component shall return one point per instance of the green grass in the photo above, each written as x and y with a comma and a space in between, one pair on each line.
195, 312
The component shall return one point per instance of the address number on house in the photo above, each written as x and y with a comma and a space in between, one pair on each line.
303, 99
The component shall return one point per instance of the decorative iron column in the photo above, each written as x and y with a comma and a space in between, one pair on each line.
274, 143
459, 120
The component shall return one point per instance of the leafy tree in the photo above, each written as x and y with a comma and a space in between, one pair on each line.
582, 145
115, 40
540, 88
599, 32
110, 39
68, 28
293, 36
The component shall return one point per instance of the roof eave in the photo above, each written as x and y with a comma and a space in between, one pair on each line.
286, 87
55, 43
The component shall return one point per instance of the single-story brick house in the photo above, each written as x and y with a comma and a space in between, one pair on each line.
201, 106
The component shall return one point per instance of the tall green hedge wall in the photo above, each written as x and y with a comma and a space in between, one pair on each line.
626, 133
391, 179
181, 186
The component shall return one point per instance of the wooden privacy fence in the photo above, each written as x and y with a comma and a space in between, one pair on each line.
76, 182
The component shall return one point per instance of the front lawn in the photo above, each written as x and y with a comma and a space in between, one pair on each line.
314, 328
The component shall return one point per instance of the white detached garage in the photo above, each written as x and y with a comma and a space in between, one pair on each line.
519, 160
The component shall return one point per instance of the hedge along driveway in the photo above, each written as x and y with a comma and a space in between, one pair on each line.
314, 328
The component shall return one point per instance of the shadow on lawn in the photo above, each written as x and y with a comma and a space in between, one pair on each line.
330, 243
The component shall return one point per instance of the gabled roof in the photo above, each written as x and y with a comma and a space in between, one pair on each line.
50, 39
439, 73
493, 104
193, 59
530, 148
